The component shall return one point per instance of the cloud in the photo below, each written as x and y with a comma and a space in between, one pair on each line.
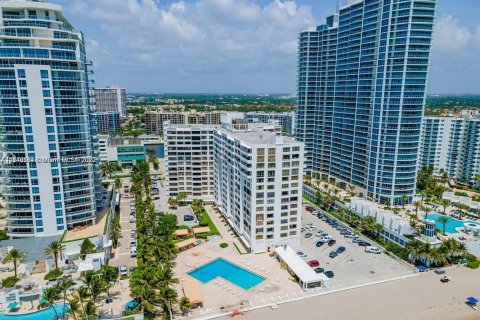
230, 37
450, 36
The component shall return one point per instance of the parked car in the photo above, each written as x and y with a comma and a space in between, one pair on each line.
123, 271
371, 249
319, 270
340, 250
320, 233
302, 229
133, 252
364, 244
308, 235
326, 238
188, 217
319, 244
313, 263
329, 274
133, 242
302, 254
438, 270
357, 240
350, 235
331, 242
333, 254
133, 233
309, 208
132, 219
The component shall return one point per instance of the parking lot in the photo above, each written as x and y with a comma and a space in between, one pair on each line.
353, 266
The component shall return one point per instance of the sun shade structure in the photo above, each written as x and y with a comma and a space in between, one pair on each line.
186, 244
472, 300
201, 230
181, 232
296, 265
12, 305
191, 290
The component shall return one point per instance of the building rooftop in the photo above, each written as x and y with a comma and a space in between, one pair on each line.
255, 136
33, 249
126, 142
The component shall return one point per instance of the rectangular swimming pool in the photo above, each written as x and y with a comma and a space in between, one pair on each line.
228, 271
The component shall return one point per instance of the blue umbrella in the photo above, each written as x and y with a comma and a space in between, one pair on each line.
132, 304
472, 300
421, 268
12, 305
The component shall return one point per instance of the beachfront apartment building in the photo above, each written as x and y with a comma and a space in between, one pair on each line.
189, 160
253, 176
452, 144
258, 185
47, 120
108, 122
109, 99
362, 80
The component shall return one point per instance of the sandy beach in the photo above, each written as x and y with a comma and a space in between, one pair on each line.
420, 298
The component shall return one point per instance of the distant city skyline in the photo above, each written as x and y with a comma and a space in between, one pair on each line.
241, 46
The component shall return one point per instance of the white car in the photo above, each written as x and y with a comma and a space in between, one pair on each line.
133, 252
320, 234
325, 238
301, 254
123, 271
132, 219
372, 249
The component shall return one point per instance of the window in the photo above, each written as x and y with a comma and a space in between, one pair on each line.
59, 220
27, 120
50, 129
39, 230
21, 73
26, 111
30, 147
31, 155
59, 213
47, 102
58, 205
37, 206
38, 215
51, 137
39, 223
28, 130
52, 146
44, 74
57, 196
25, 102
35, 190
23, 83
46, 93
29, 138
33, 173
55, 173
24, 93
49, 120
60, 228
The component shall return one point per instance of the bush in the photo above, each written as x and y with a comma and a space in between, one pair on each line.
461, 194
473, 264
10, 282
223, 245
54, 274
469, 257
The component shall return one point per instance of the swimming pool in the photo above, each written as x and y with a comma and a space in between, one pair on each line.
228, 271
44, 314
451, 225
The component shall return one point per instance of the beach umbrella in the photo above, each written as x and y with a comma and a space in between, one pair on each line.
12, 305
472, 300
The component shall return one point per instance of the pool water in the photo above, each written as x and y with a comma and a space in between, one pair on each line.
45, 314
451, 225
228, 271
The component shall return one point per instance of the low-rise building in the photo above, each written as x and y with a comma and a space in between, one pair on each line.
285, 119
126, 151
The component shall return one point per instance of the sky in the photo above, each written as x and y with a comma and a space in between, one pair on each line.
241, 46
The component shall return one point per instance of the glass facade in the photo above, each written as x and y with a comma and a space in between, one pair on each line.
361, 95
45, 113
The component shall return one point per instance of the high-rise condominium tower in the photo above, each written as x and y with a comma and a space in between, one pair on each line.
50, 181
361, 93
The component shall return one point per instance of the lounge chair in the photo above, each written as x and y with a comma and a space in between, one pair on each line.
234, 292
239, 294
267, 272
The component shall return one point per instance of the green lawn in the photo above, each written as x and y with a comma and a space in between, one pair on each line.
206, 220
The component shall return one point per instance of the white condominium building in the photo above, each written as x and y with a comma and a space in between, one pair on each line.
111, 99
189, 160
452, 144
258, 186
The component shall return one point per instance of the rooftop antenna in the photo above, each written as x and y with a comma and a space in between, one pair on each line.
338, 6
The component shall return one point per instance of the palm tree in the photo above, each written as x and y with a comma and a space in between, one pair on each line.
51, 295
109, 275
428, 253
118, 183
146, 298
55, 248
417, 204
444, 203
14, 256
64, 285
404, 200
413, 249
443, 220
168, 298
185, 305
351, 190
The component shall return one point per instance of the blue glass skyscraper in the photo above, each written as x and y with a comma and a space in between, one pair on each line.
361, 95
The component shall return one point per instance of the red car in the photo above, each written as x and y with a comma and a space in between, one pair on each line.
313, 263
309, 208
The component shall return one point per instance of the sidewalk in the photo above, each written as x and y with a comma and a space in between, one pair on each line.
224, 229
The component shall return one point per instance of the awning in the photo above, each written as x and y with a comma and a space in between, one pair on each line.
85, 266
201, 230
181, 232
191, 290
12, 305
472, 300
185, 243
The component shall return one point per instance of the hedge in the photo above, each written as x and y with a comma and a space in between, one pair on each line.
54, 274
